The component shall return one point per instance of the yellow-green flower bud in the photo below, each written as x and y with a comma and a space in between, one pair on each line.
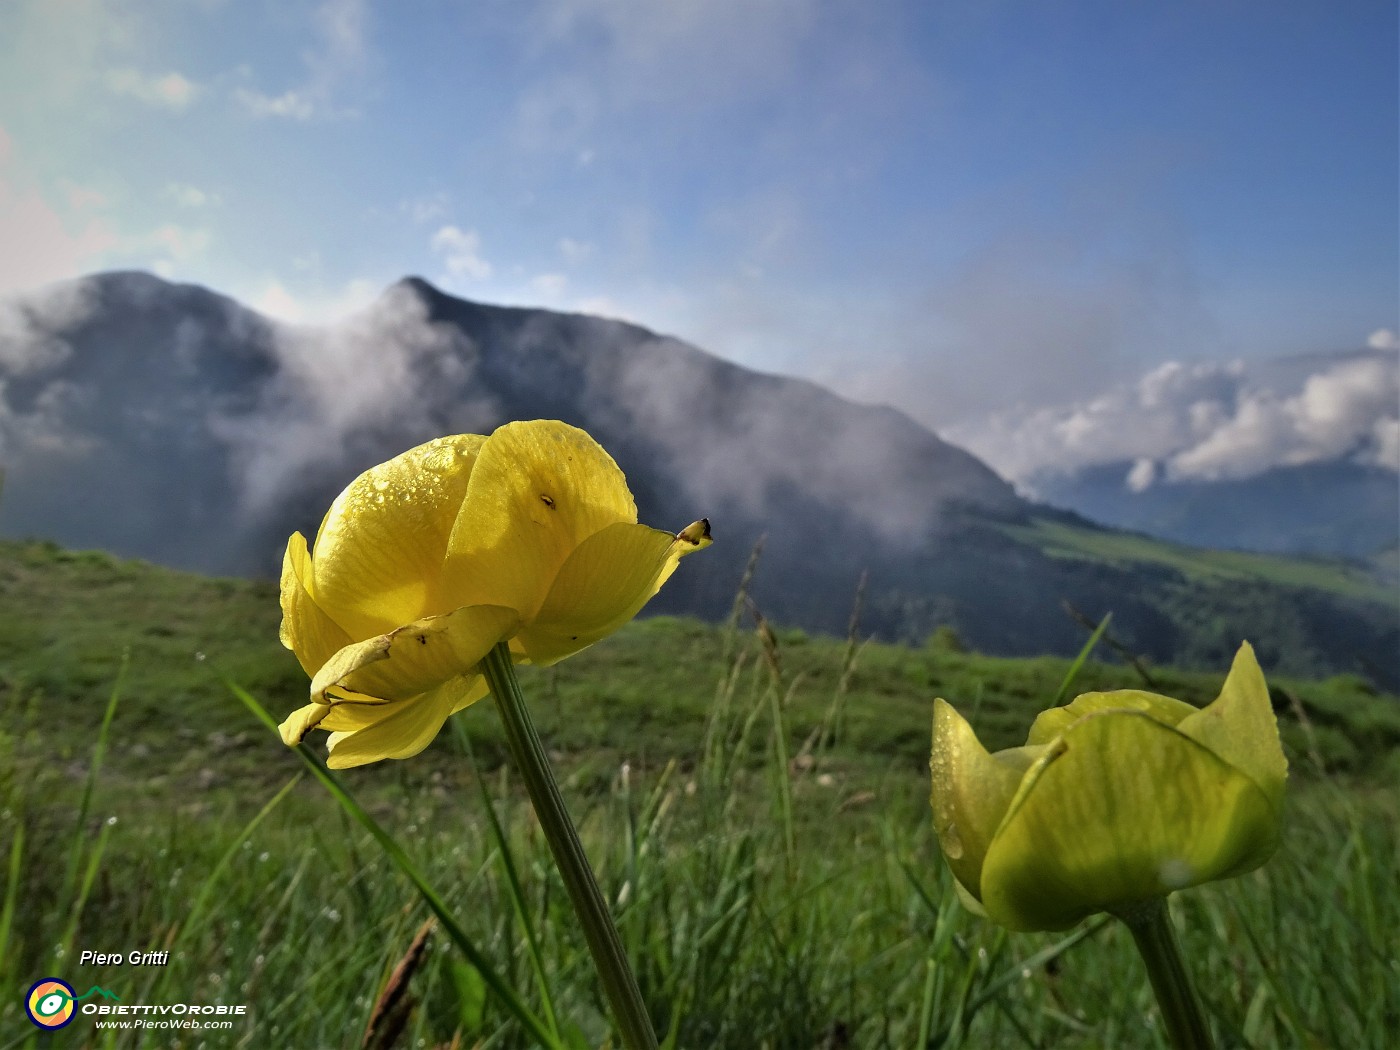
1116, 799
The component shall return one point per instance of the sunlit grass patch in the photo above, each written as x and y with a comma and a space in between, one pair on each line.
1333, 575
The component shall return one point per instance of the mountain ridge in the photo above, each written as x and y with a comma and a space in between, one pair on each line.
172, 423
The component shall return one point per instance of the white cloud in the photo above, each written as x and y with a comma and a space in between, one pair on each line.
1386, 435
341, 53
460, 251
29, 344
1208, 422
1336, 414
1142, 475
28, 323
426, 208
171, 91
187, 196
275, 300
373, 368
1384, 339
295, 104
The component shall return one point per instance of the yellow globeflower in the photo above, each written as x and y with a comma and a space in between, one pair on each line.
427, 561
1115, 800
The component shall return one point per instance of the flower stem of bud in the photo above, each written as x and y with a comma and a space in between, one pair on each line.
609, 957
1151, 927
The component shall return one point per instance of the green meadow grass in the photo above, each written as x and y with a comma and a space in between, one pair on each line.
756, 805
1123, 548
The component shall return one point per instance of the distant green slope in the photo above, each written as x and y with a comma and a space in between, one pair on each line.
1062, 540
1005, 585
1385, 567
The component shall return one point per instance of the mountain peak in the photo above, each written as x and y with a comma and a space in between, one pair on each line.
419, 286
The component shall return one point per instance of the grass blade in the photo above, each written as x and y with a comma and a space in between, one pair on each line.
508, 996
99, 752
1079, 660
202, 898
517, 892
7, 914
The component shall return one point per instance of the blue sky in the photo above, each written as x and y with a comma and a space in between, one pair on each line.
957, 207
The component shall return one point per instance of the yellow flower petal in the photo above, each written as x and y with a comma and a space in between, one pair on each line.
602, 585
427, 561
302, 721
381, 546
538, 490
1054, 721
306, 629
415, 658
967, 900
1241, 728
407, 729
349, 717
972, 790
1120, 809
475, 691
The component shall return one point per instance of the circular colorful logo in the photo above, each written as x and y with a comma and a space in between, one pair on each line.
49, 1003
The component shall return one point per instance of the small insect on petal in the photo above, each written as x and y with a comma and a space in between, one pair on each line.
697, 533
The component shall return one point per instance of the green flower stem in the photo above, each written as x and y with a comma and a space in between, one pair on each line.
1156, 943
619, 984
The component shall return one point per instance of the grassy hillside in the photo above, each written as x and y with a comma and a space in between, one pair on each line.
1310, 617
826, 921
1125, 548
66, 619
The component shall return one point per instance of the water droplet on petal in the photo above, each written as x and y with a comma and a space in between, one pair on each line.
951, 841
441, 459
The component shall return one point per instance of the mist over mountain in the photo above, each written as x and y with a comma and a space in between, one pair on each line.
168, 422
1296, 454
